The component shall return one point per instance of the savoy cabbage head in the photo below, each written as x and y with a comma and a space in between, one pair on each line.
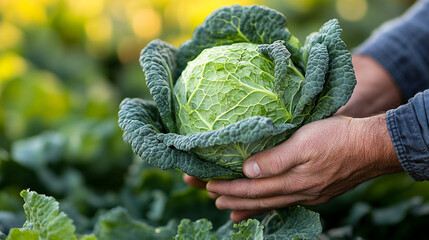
242, 84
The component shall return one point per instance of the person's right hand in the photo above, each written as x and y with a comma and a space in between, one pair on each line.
320, 161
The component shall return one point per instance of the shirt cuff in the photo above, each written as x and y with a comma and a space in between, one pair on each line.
407, 126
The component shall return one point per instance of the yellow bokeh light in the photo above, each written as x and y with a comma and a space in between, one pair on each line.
11, 65
196, 11
11, 36
351, 10
99, 30
23, 12
146, 23
85, 8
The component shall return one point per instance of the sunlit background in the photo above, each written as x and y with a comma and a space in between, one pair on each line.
77, 58
65, 65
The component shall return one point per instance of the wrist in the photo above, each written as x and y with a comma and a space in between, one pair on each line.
375, 145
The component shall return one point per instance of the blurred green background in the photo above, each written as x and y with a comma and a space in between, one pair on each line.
65, 65
62, 61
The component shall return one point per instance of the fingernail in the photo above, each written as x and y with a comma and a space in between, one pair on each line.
252, 169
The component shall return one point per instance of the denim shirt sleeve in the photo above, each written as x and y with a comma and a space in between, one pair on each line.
408, 126
401, 46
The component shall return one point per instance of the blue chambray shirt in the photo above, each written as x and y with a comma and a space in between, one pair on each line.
401, 46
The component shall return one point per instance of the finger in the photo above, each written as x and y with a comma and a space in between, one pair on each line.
246, 204
257, 188
238, 216
193, 181
272, 161
213, 195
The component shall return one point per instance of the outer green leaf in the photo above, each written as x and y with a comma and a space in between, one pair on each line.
43, 218
316, 70
285, 224
199, 229
246, 131
138, 122
20, 234
248, 230
292, 223
39, 150
87, 237
158, 60
288, 79
340, 80
172, 150
395, 214
227, 25
117, 225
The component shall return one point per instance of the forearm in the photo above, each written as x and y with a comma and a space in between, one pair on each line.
392, 65
401, 47
375, 91
373, 143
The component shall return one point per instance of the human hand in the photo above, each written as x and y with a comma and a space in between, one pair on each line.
375, 91
320, 161
198, 183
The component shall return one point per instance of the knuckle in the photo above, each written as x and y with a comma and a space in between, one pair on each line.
292, 185
264, 204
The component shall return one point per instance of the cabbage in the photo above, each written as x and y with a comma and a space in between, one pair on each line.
242, 84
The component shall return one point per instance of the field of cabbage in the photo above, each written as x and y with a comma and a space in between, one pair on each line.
64, 68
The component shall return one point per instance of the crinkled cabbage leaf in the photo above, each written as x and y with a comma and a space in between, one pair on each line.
242, 84
45, 222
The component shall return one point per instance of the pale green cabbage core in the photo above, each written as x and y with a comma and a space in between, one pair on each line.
226, 84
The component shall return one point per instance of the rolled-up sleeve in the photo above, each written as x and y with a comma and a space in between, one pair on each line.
401, 46
409, 130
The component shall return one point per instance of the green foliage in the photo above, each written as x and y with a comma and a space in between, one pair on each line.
195, 230
250, 230
44, 221
234, 24
295, 222
289, 223
117, 224
57, 81
241, 85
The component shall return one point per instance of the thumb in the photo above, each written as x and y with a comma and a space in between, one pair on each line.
270, 162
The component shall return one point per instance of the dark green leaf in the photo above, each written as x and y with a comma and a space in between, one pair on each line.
138, 125
292, 223
288, 79
39, 150
117, 225
158, 60
316, 70
227, 25
340, 80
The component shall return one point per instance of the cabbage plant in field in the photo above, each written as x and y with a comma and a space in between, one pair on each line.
242, 84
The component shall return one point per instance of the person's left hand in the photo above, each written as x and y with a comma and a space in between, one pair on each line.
320, 161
